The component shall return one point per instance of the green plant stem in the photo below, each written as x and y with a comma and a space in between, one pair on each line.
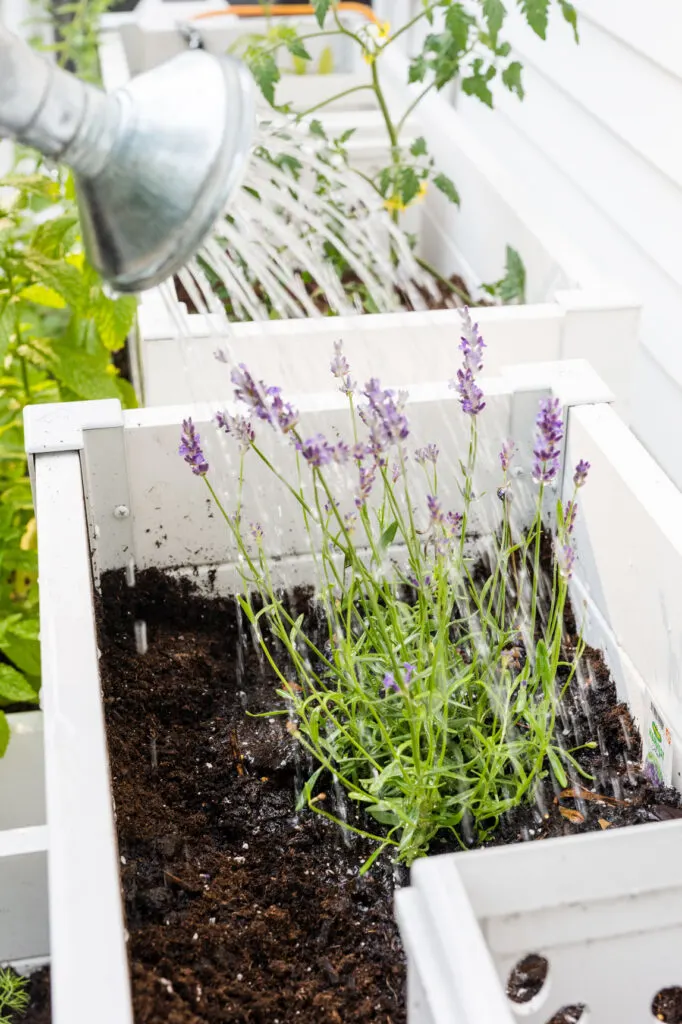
415, 103
408, 25
332, 99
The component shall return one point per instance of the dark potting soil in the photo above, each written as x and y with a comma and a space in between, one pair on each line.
39, 992
240, 911
445, 297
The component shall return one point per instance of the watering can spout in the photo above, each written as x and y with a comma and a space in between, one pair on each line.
154, 163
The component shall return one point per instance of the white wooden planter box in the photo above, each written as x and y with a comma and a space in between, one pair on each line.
471, 241
92, 464
24, 938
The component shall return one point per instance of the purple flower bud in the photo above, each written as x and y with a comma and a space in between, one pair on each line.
409, 672
190, 448
316, 450
581, 471
565, 556
350, 521
256, 532
504, 493
339, 364
453, 524
358, 452
429, 453
549, 432
239, 427
507, 454
341, 453
435, 511
367, 477
470, 395
265, 402
389, 683
396, 472
384, 416
570, 513
472, 344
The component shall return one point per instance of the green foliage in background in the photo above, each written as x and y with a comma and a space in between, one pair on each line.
59, 328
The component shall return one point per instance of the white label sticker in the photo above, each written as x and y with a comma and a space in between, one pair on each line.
658, 749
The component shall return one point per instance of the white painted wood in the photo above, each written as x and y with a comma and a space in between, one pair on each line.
89, 961
23, 894
592, 145
604, 909
22, 783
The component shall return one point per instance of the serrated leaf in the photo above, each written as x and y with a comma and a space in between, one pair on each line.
15, 688
321, 8
83, 373
418, 147
447, 187
571, 15
408, 184
114, 319
264, 69
317, 129
418, 69
512, 287
43, 296
511, 76
19, 643
477, 83
537, 14
494, 13
59, 276
458, 23
326, 65
296, 48
4, 734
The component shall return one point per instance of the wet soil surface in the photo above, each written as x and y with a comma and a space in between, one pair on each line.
238, 910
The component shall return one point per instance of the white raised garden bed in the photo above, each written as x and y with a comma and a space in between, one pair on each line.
471, 241
24, 938
111, 493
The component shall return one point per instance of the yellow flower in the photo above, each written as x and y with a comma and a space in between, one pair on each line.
423, 189
394, 203
384, 29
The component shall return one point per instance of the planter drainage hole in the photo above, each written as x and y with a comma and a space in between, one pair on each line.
570, 1015
527, 985
667, 1005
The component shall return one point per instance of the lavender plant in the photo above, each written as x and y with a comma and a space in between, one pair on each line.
426, 680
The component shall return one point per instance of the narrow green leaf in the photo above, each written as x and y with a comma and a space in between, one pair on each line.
571, 15
321, 8
447, 187
542, 663
557, 767
388, 536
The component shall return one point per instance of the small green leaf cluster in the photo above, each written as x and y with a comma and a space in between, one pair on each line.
58, 331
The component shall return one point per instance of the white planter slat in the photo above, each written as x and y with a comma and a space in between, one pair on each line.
23, 894
604, 909
22, 782
91, 457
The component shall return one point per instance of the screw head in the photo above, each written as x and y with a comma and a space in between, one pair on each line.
121, 512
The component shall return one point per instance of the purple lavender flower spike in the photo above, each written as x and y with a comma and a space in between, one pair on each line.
507, 453
570, 513
435, 511
429, 453
256, 532
395, 472
284, 413
190, 448
470, 395
367, 477
384, 416
358, 452
581, 471
339, 364
253, 393
316, 450
389, 683
409, 672
472, 344
239, 427
350, 521
549, 432
341, 453
565, 555
453, 524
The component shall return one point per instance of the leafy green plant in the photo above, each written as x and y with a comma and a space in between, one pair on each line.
14, 998
465, 44
58, 331
428, 677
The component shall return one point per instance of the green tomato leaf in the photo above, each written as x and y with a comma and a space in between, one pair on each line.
418, 147
321, 8
571, 15
408, 184
296, 48
317, 129
15, 688
447, 187
263, 67
511, 76
537, 15
418, 68
494, 13
477, 83
512, 287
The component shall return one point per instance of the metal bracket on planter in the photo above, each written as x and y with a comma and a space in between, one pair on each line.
95, 431
191, 35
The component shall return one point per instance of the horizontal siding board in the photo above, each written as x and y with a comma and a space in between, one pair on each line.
654, 29
627, 93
